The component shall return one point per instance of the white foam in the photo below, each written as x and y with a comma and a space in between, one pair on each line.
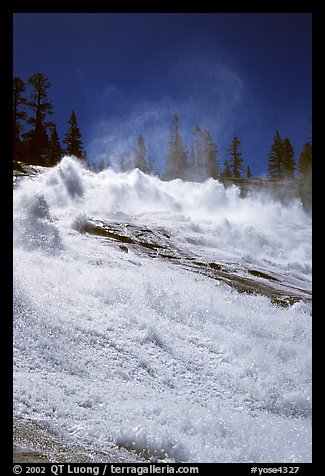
116, 347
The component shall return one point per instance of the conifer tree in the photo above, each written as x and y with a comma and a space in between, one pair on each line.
108, 162
288, 161
72, 138
236, 160
203, 159
226, 171
126, 163
210, 155
85, 160
275, 163
305, 160
196, 157
18, 116
36, 139
248, 172
176, 162
104, 163
101, 165
281, 163
54, 149
305, 175
191, 166
151, 167
139, 155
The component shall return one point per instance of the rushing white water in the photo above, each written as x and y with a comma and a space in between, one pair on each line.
117, 347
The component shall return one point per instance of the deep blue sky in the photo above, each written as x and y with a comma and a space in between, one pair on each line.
126, 73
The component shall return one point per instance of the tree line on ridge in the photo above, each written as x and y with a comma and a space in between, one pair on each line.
36, 142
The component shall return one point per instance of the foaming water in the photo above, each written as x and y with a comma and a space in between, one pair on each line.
117, 347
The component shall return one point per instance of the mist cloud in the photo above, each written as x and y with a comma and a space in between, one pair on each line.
201, 91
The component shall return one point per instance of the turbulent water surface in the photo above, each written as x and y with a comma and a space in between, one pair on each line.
169, 319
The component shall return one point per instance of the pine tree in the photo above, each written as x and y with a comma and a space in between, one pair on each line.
54, 150
108, 162
151, 167
236, 161
104, 163
139, 155
281, 163
72, 138
305, 176
203, 159
288, 161
196, 157
18, 116
191, 166
197, 153
101, 165
36, 139
126, 164
85, 160
248, 172
275, 162
305, 160
226, 171
210, 155
176, 162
